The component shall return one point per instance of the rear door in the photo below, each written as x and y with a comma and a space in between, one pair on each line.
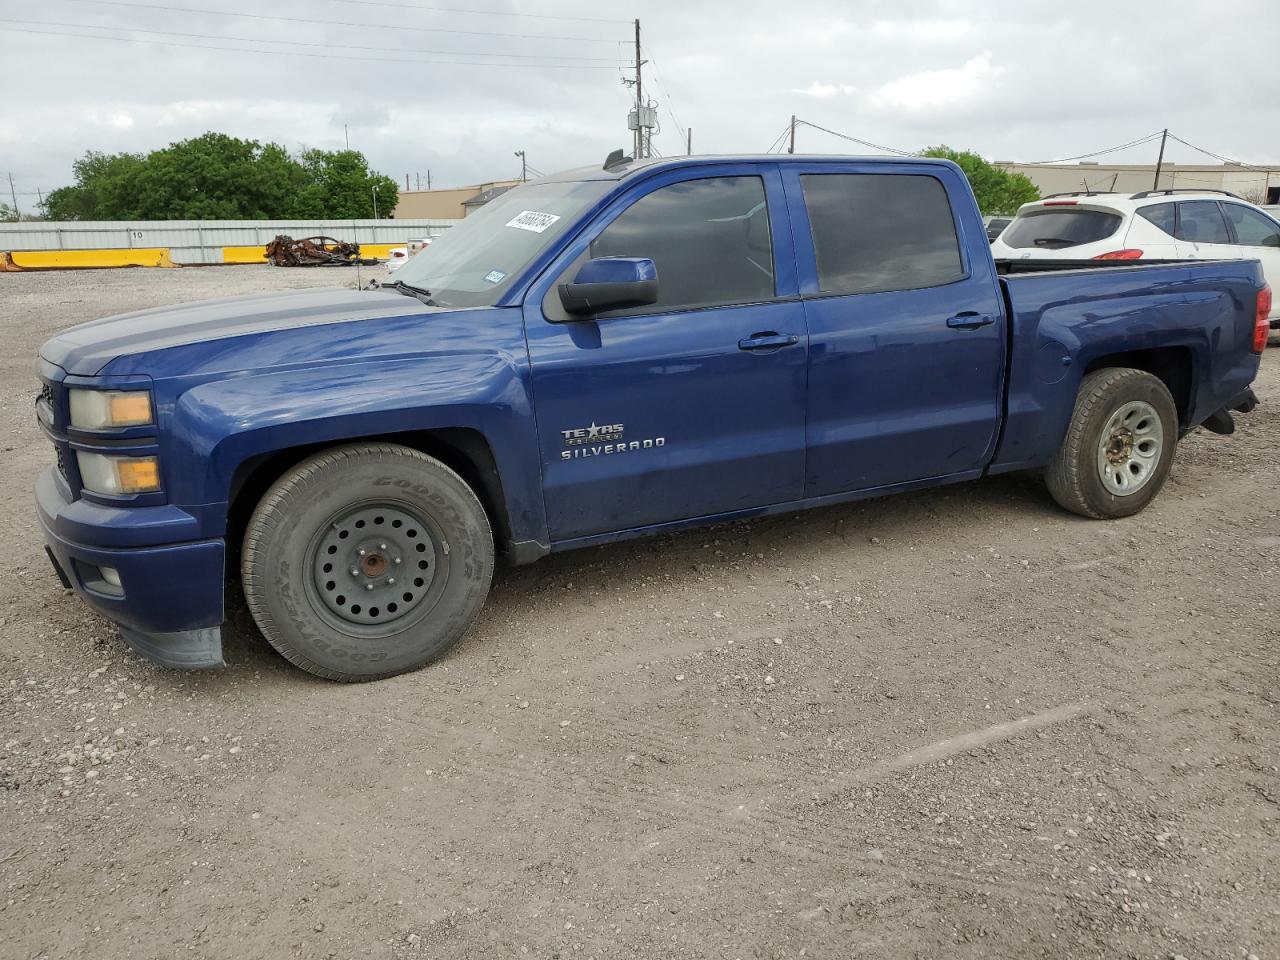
1254, 234
906, 325
1202, 231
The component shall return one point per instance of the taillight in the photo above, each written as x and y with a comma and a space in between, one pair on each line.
1131, 253
1261, 325
1060, 203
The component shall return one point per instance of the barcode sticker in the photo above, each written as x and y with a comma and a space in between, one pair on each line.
532, 220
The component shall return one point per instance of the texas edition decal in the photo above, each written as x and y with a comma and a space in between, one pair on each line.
599, 441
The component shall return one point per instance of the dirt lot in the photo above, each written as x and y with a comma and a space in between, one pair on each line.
953, 724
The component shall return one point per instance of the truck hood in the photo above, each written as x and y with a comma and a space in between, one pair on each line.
85, 349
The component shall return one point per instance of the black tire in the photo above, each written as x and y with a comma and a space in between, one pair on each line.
427, 561
1074, 477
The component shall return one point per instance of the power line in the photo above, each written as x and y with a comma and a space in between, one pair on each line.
777, 142
303, 43
1098, 153
334, 23
494, 13
1216, 156
864, 143
291, 53
670, 101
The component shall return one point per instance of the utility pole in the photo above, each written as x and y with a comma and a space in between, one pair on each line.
791, 147
1160, 159
345, 138
417, 181
640, 144
428, 178
17, 214
689, 148
375, 201
406, 183
524, 167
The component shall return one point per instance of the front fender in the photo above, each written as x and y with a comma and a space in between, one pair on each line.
220, 425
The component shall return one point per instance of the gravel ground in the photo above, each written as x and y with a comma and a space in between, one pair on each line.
959, 723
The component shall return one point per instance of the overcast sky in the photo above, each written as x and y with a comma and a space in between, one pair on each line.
1019, 79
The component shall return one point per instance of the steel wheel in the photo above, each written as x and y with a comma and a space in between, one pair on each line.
375, 566
1129, 448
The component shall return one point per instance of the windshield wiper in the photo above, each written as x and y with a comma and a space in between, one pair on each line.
1045, 241
409, 290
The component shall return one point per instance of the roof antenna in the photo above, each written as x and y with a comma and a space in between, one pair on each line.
616, 159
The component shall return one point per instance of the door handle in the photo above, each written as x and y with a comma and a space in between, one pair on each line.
768, 340
969, 320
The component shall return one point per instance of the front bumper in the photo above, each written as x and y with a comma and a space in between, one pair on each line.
169, 602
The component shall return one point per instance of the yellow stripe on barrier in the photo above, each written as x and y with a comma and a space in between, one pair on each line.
379, 250
254, 254
90, 259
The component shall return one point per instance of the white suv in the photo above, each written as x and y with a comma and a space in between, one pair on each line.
1153, 225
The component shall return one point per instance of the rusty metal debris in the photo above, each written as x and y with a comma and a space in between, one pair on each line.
284, 251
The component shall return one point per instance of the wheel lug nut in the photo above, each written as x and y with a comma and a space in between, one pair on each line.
355, 571
391, 581
382, 546
396, 560
362, 552
368, 586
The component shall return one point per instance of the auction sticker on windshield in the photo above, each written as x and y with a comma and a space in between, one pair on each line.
532, 220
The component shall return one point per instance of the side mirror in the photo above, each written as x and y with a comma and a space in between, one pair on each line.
610, 283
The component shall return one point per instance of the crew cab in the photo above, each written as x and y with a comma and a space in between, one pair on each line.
603, 354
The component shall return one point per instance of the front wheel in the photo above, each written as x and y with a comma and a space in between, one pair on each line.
1119, 447
366, 561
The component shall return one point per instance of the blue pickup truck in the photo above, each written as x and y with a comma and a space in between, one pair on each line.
603, 354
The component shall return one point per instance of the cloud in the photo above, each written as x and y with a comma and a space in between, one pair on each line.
822, 90
936, 88
1004, 77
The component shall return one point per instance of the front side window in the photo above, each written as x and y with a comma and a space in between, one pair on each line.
1057, 228
710, 240
1163, 215
878, 232
1253, 229
1200, 221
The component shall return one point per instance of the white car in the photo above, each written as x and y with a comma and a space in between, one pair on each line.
1152, 225
397, 257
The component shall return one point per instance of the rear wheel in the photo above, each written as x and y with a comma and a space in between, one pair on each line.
366, 561
1119, 447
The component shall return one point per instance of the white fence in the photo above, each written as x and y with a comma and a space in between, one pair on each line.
203, 241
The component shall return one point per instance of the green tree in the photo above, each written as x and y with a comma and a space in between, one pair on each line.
218, 177
7, 213
341, 185
998, 191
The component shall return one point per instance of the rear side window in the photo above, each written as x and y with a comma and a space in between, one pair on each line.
1055, 228
1163, 215
877, 232
1252, 228
1200, 221
709, 239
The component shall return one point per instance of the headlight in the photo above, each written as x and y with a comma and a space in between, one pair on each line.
114, 475
98, 409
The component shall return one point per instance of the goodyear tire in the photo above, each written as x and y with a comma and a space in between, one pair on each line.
366, 561
1119, 447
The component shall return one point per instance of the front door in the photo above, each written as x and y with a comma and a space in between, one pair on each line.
906, 329
690, 407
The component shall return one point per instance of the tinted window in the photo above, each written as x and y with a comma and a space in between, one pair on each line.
709, 239
881, 232
1161, 214
1200, 221
1055, 228
1251, 227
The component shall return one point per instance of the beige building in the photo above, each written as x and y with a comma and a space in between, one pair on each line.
1259, 185
452, 203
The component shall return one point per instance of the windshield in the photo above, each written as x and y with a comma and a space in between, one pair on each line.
472, 264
